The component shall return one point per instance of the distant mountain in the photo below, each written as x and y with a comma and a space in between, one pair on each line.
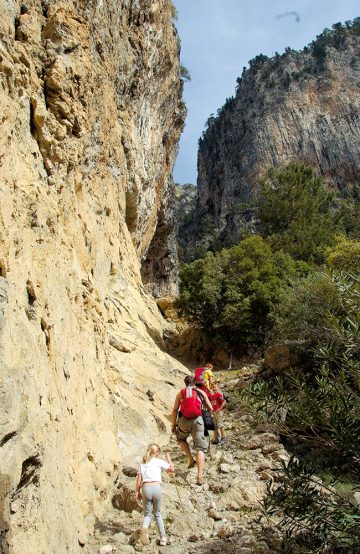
300, 106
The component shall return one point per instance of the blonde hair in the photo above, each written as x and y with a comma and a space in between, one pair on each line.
152, 450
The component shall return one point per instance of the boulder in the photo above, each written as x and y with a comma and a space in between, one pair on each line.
166, 305
129, 471
278, 357
260, 441
124, 499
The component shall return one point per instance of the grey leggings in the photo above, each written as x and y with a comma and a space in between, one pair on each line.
152, 505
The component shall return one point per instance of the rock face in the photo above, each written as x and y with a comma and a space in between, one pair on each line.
301, 106
91, 112
185, 202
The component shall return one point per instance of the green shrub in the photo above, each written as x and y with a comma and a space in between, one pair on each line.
232, 292
317, 310
174, 12
305, 312
312, 519
345, 256
349, 209
184, 73
296, 212
320, 405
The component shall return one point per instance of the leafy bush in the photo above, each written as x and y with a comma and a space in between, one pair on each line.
335, 38
320, 410
349, 208
305, 312
322, 406
257, 62
345, 256
296, 212
318, 311
232, 292
184, 73
174, 12
313, 518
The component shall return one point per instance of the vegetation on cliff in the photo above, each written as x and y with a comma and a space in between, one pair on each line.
296, 212
273, 67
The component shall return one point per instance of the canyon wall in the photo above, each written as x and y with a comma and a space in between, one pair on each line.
300, 106
91, 113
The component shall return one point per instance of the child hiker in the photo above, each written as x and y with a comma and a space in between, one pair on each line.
148, 488
218, 402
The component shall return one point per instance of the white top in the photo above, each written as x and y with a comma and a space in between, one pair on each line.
152, 470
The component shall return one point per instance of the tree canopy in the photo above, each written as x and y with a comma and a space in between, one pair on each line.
230, 293
296, 212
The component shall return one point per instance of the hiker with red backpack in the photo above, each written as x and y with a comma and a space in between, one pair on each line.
190, 422
205, 375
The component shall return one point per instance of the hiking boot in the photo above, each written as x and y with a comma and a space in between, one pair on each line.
144, 537
216, 441
223, 441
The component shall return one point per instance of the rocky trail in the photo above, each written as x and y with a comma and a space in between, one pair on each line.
222, 515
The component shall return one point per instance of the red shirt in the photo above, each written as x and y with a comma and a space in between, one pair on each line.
216, 400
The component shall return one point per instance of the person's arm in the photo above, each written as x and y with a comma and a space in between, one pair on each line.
138, 486
175, 412
168, 459
223, 402
206, 400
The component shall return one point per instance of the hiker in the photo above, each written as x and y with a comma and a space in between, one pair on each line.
148, 488
201, 386
190, 421
205, 375
218, 402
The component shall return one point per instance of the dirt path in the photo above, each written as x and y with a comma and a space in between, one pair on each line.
222, 515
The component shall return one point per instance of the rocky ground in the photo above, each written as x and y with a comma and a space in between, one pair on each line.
222, 515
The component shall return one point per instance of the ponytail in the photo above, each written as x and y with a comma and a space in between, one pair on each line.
152, 450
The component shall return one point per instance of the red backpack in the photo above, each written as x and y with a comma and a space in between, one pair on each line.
190, 405
199, 374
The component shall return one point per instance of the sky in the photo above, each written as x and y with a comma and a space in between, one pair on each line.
219, 37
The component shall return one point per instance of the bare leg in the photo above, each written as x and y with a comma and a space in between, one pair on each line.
200, 458
186, 449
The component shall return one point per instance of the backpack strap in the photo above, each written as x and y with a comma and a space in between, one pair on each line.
201, 397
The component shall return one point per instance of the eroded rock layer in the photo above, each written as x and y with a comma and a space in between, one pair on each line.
301, 106
91, 113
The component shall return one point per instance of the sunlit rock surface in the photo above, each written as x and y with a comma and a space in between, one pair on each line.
91, 113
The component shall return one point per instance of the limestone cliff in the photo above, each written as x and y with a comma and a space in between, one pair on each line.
91, 112
302, 106
185, 202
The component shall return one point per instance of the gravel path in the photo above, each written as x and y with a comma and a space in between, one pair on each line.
223, 515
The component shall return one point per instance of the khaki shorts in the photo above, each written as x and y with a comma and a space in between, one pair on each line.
218, 418
195, 428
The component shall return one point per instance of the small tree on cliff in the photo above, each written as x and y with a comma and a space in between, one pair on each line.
296, 212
